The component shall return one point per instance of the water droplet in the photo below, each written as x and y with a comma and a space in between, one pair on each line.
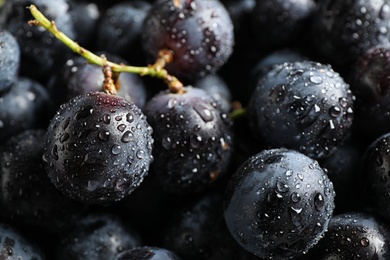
345, 241
130, 117
281, 187
116, 149
188, 239
121, 127
203, 112
334, 111
64, 137
118, 118
298, 211
365, 242
295, 197
379, 161
384, 13
255, 225
92, 185
84, 112
71, 146
106, 118
127, 137
319, 202
54, 152
316, 79
195, 141
66, 123
104, 135
343, 102
295, 217
140, 154
289, 173
167, 143
172, 103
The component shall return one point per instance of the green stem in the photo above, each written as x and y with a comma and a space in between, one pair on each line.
236, 113
154, 71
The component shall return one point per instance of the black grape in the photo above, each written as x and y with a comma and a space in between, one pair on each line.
193, 141
199, 34
98, 148
305, 106
9, 59
278, 204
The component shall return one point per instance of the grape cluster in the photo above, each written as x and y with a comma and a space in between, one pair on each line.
194, 129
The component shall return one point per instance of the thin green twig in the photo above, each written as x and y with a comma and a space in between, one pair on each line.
152, 70
236, 113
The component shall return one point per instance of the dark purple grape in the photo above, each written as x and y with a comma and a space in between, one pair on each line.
147, 253
305, 106
278, 57
370, 84
193, 142
85, 17
198, 231
23, 106
41, 52
240, 13
27, 197
278, 204
97, 236
343, 30
98, 148
150, 208
9, 59
120, 28
217, 88
343, 168
15, 245
199, 34
280, 22
375, 178
80, 77
354, 235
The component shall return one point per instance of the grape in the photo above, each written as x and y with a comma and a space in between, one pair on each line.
98, 148
216, 87
278, 204
305, 106
198, 231
343, 30
343, 168
280, 22
354, 235
27, 197
85, 17
120, 28
23, 106
374, 179
15, 245
147, 253
198, 33
9, 59
97, 236
41, 53
193, 142
370, 84
79, 77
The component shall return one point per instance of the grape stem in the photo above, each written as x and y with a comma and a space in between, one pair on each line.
237, 113
155, 70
